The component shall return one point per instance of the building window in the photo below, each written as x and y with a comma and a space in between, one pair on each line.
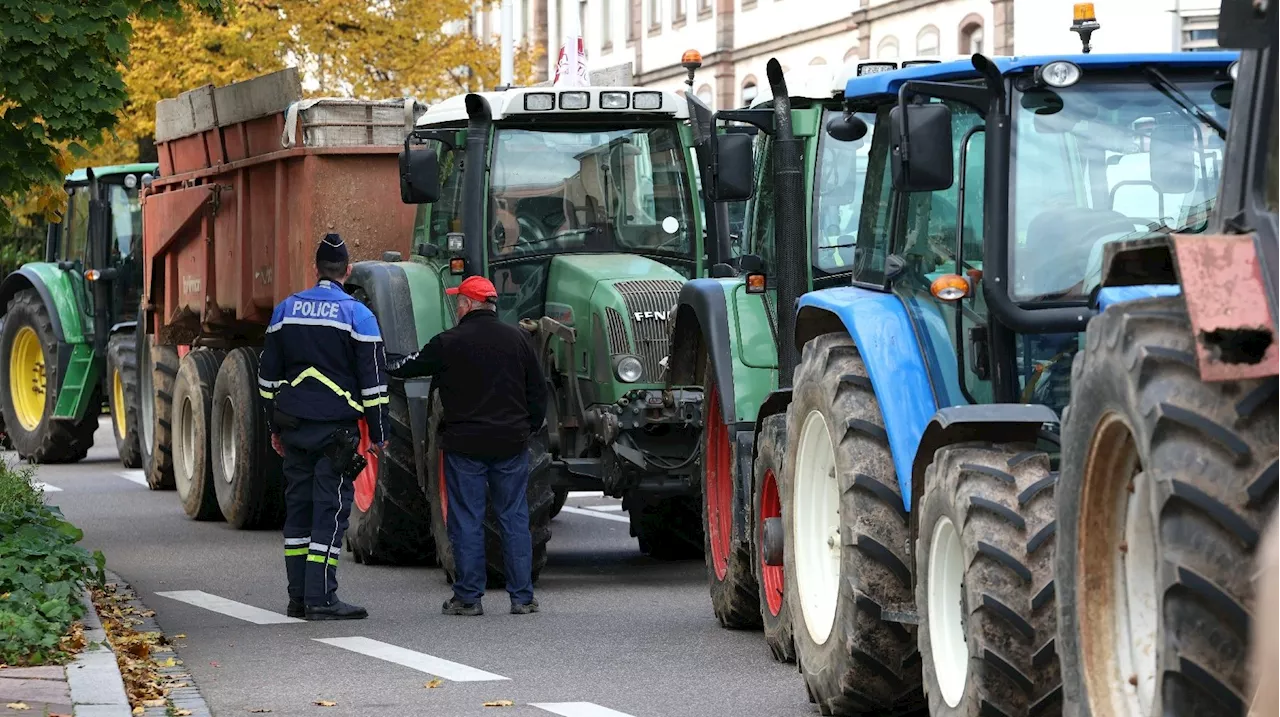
851, 54
971, 35
1199, 32
927, 41
606, 25
887, 49
582, 19
749, 90
704, 94
679, 10
655, 14
704, 8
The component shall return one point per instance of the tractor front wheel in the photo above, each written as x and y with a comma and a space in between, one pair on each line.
30, 379
123, 398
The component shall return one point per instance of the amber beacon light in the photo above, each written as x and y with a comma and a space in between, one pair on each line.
949, 287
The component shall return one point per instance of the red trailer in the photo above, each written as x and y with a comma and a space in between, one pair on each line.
250, 178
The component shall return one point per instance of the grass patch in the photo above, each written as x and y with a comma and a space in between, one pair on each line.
42, 573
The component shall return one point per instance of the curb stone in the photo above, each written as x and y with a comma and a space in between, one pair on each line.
97, 689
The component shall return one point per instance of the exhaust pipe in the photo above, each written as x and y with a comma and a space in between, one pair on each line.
790, 230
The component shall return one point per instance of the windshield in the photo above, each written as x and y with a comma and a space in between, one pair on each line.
126, 221
1105, 160
842, 167
623, 190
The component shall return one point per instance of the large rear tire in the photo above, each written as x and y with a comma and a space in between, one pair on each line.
192, 451
539, 493
846, 551
157, 371
1167, 483
984, 583
29, 382
248, 476
122, 380
771, 494
390, 518
561, 497
735, 595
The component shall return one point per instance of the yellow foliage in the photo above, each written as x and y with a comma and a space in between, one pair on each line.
350, 48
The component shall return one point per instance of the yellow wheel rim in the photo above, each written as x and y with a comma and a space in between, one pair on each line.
117, 405
27, 380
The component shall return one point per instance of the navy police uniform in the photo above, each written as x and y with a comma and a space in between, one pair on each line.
322, 370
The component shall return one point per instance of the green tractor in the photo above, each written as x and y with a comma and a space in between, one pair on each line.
581, 205
726, 330
67, 344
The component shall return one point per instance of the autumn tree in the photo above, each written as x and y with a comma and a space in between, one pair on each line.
348, 48
60, 83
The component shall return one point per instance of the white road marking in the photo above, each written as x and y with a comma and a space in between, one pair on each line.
615, 508
594, 514
135, 476
46, 487
586, 494
413, 660
238, 610
578, 709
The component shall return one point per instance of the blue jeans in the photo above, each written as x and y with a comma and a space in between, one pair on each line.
507, 480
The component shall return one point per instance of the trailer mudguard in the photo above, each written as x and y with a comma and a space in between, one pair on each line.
707, 326
996, 422
887, 342
56, 290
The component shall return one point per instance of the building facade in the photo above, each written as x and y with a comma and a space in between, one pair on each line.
816, 37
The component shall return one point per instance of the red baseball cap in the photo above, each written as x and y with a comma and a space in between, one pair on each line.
476, 288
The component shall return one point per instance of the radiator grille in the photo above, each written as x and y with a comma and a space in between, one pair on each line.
651, 301
618, 343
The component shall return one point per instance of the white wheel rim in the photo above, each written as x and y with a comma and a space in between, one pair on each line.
187, 437
1138, 598
146, 396
816, 524
948, 645
227, 439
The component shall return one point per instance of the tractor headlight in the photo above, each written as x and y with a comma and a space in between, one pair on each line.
1060, 73
1233, 71
647, 101
628, 369
539, 101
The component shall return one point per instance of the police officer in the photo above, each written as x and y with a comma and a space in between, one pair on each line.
322, 370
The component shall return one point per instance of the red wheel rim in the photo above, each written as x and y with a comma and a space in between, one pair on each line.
770, 507
719, 480
367, 481
444, 491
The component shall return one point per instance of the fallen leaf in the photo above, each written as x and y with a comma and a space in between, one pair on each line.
148, 613
170, 662
157, 702
18, 706
434, 684
180, 636
182, 713
499, 703
138, 710
325, 703
259, 710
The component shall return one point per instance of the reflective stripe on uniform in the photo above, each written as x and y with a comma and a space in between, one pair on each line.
376, 401
374, 391
330, 323
295, 547
313, 372
329, 560
322, 548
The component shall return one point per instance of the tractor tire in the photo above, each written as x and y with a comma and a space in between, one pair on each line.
30, 381
735, 594
390, 518
984, 582
845, 498
669, 528
248, 475
771, 491
192, 448
122, 377
540, 496
157, 371
1167, 483
561, 496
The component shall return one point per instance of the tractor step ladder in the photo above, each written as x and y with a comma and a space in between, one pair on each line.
82, 377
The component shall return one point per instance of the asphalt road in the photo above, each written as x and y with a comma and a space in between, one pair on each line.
617, 630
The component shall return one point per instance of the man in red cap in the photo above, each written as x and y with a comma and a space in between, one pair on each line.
492, 391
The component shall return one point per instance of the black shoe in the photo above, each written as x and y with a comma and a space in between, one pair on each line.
296, 608
524, 608
454, 606
336, 610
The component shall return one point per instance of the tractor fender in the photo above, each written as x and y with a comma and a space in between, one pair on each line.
702, 330
123, 326
989, 423
882, 331
54, 289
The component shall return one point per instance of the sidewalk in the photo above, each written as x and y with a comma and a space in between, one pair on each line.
42, 690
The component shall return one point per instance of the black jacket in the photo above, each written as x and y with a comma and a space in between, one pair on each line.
490, 385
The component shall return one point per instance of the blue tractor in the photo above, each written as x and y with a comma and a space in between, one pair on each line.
920, 434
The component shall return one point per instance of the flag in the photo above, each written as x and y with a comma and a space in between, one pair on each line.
571, 65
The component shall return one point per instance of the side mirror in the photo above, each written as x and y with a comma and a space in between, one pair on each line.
1173, 158
735, 168
846, 128
921, 148
419, 176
